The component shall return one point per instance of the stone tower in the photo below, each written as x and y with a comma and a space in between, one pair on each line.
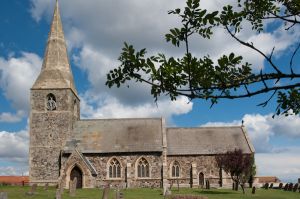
54, 108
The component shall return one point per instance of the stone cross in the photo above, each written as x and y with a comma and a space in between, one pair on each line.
3, 195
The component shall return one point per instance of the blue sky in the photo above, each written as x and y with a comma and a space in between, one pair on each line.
95, 31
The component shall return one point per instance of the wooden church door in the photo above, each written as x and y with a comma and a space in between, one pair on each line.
76, 173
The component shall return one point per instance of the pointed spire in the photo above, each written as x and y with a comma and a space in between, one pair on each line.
56, 71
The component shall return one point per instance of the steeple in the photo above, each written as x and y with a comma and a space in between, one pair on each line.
56, 72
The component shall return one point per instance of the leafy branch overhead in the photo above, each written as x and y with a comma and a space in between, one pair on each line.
229, 76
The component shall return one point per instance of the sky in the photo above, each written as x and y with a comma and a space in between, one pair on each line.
95, 31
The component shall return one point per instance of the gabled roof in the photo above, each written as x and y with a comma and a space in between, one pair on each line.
56, 71
117, 136
207, 140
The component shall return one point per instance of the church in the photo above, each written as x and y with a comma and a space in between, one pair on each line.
133, 152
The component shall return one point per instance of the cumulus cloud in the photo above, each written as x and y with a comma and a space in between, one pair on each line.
14, 152
284, 165
12, 118
17, 75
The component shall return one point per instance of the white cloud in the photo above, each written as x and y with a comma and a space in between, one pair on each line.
14, 171
11, 118
284, 165
17, 75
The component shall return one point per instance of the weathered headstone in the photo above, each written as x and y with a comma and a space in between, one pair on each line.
3, 195
280, 186
46, 187
207, 183
295, 187
167, 193
117, 193
72, 187
286, 187
58, 194
253, 190
290, 188
105, 192
271, 186
121, 195
267, 186
298, 180
32, 190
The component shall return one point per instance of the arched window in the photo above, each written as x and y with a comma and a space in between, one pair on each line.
175, 170
114, 169
51, 102
143, 168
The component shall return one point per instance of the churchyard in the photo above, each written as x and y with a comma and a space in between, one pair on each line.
17, 192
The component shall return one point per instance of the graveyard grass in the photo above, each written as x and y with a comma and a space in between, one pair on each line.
16, 192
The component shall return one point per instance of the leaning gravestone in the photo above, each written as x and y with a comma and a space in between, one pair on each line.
3, 195
280, 186
253, 190
32, 190
72, 187
295, 187
105, 192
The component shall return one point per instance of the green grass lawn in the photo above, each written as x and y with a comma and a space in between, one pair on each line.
19, 193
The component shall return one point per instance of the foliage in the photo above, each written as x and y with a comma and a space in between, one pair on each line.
228, 77
240, 166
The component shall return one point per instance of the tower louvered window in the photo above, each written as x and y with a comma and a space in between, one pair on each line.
175, 170
114, 169
143, 168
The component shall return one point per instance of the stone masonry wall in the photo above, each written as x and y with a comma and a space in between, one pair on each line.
128, 162
49, 131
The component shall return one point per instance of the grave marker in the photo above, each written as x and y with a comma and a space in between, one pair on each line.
32, 190
3, 195
253, 190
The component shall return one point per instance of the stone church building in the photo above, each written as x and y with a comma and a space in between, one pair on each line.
130, 152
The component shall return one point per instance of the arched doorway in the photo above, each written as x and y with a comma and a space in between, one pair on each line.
76, 173
201, 180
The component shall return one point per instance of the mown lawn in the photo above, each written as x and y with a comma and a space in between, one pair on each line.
19, 193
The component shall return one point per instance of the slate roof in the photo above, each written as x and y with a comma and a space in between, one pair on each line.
117, 136
207, 140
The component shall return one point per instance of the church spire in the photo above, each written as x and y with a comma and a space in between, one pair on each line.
56, 72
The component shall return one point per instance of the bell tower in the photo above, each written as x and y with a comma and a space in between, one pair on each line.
55, 106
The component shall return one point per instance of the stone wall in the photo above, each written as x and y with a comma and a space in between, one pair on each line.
128, 163
49, 131
192, 166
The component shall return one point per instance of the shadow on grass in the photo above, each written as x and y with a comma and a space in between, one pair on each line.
214, 192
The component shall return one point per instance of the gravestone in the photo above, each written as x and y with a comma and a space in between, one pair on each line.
46, 187
253, 190
58, 194
3, 195
72, 187
271, 186
298, 180
290, 187
105, 192
286, 186
280, 186
121, 195
32, 190
167, 193
267, 186
117, 193
207, 183
295, 187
